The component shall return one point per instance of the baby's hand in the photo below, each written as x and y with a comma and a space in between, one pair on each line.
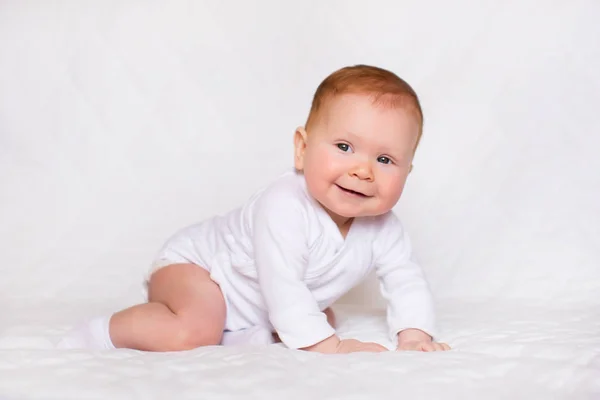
333, 345
355, 346
417, 340
415, 345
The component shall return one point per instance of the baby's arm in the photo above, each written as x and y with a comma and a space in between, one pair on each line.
410, 313
280, 241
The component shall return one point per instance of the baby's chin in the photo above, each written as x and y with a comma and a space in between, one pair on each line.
351, 212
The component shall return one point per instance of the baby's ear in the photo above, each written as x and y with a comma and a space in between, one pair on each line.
300, 140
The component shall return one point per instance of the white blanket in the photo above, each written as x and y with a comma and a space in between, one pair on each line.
500, 352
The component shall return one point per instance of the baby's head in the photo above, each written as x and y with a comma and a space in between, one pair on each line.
357, 146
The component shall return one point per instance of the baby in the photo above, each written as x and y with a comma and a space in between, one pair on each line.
271, 269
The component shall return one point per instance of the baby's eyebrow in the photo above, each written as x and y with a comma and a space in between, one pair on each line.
352, 135
398, 154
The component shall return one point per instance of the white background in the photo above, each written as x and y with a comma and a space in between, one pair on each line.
121, 122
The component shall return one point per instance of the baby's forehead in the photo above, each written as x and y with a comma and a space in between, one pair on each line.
351, 103
364, 119
349, 109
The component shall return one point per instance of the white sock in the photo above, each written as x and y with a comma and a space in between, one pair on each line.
255, 335
92, 334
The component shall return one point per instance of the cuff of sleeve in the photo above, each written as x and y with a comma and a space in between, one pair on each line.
299, 331
395, 330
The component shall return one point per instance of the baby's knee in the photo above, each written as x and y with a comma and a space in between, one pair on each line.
191, 336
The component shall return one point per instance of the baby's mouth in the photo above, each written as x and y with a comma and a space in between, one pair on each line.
353, 192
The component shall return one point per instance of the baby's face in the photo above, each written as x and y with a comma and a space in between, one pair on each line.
358, 156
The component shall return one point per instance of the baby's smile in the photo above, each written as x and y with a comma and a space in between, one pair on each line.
353, 193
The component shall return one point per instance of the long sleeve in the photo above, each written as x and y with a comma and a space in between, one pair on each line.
280, 241
402, 282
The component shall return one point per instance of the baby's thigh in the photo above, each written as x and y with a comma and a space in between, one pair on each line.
189, 292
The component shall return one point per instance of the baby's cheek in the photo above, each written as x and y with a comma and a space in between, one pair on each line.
320, 162
390, 194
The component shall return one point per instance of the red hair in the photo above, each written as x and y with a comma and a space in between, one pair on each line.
384, 86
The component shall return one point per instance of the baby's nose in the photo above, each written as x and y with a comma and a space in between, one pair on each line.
362, 171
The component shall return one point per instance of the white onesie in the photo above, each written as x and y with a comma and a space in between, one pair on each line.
280, 260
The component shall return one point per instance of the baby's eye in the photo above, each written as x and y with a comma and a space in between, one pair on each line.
343, 146
384, 160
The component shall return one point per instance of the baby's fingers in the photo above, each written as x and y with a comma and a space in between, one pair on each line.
424, 346
369, 347
375, 347
428, 347
435, 347
354, 346
441, 347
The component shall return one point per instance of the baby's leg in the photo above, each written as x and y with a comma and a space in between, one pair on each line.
185, 310
330, 317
